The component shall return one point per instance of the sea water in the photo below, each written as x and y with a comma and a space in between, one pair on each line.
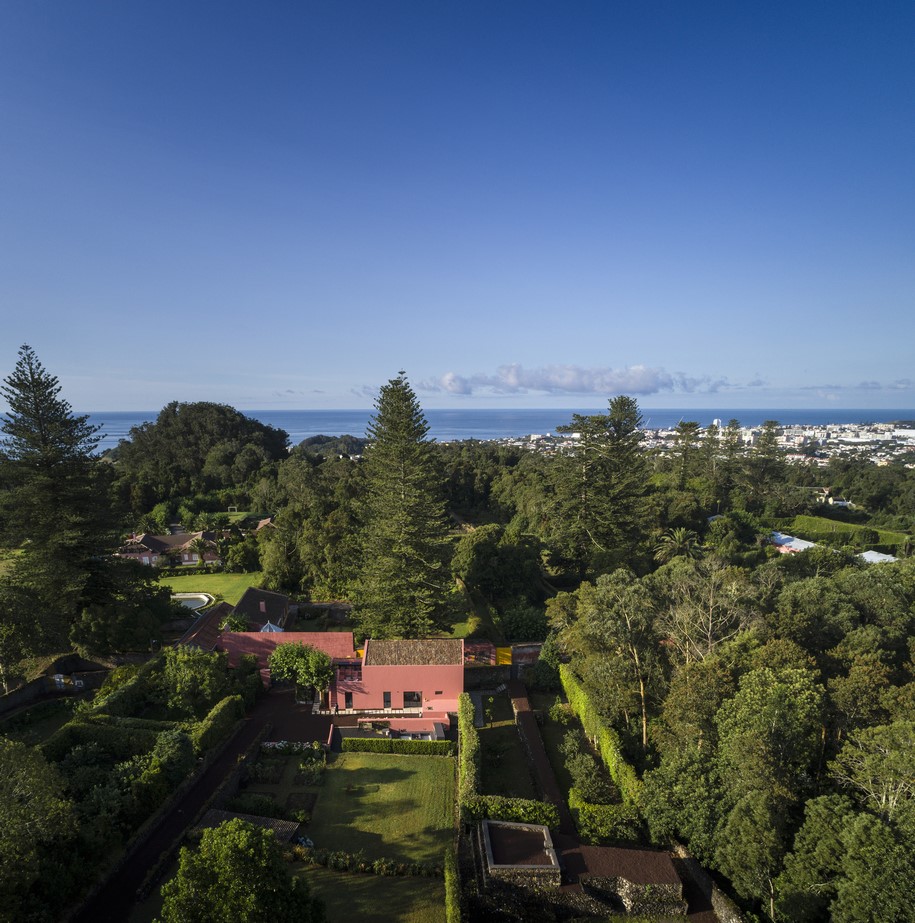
492, 423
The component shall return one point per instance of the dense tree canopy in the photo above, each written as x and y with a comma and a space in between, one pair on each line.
34, 811
237, 875
192, 448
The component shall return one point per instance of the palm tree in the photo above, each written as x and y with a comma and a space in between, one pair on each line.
679, 542
200, 546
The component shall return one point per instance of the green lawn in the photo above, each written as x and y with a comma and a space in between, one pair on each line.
227, 587
506, 770
376, 899
401, 807
820, 525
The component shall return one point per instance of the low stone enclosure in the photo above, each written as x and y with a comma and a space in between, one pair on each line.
525, 857
520, 854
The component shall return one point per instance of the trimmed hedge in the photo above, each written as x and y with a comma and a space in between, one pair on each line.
522, 810
115, 742
217, 724
605, 738
597, 822
468, 754
452, 887
339, 860
386, 745
130, 698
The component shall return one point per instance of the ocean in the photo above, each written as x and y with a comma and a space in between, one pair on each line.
491, 423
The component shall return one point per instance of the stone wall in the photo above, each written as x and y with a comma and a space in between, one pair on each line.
725, 909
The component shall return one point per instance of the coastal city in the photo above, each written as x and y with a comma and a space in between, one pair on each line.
880, 443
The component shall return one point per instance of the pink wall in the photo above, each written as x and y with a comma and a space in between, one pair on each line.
440, 686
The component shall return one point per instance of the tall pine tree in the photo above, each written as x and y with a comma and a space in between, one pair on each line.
53, 490
404, 587
599, 486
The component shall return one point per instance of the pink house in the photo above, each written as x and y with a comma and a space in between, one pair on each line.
407, 680
416, 678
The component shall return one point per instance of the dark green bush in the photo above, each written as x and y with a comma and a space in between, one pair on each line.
468, 753
607, 740
596, 822
218, 723
388, 745
522, 810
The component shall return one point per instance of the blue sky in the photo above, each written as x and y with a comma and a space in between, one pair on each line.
521, 204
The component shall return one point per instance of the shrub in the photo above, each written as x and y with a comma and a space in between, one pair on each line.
114, 743
452, 887
522, 810
216, 725
596, 822
260, 805
310, 773
607, 740
468, 753
387, 745
343, 861
128, 690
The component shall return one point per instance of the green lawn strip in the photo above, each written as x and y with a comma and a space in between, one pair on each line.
820, 525
400, 807
374, 898
506, 769
552, 733
228, 586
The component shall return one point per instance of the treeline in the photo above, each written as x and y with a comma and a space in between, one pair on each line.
770, 710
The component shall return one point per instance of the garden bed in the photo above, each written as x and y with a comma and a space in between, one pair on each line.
505, 764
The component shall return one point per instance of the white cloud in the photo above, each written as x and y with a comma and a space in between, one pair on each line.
572, 379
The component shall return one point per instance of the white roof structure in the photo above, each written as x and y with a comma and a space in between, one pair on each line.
270, 627
790, 543
875, 557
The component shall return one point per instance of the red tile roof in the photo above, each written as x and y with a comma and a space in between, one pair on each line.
338, 645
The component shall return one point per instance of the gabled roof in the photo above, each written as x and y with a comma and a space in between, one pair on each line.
162, 543
204, 632
433, 651
262, 606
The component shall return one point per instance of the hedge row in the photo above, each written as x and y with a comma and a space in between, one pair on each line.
452, 887
217, 724
341, 861
606, 739
387, 745
468, 753
116, 743
596, 822
145, 724
522, 810
128, 699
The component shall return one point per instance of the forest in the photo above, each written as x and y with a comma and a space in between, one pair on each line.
765, 701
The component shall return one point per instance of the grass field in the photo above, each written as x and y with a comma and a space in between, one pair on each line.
820, 525
505, 767
375, 899
401, 807
227, 587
